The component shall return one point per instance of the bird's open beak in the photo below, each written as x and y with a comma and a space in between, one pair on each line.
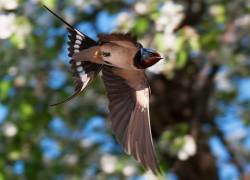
159, 58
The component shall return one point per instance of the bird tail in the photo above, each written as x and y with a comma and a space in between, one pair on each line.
78, 40
83, 71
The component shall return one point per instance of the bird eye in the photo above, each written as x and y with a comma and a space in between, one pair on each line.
151, 54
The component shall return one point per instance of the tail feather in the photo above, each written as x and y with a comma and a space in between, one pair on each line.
59, 17
83, 71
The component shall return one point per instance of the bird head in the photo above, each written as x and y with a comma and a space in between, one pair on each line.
146, 58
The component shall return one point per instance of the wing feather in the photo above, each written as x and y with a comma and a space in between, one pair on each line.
127, 91
117, 37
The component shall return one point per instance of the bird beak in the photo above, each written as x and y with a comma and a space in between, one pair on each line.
158, 56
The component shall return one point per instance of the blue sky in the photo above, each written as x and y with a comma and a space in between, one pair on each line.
3, 112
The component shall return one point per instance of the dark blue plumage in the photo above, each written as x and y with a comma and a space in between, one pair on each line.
146, 58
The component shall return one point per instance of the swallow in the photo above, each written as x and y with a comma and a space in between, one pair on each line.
122, 61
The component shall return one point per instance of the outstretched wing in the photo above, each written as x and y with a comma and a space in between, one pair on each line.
119, 50
121, 39
83, 71
128, 94
117, 37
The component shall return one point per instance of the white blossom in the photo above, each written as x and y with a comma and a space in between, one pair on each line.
141, 8
161, 22
12, 70
188, 149
108, 163
150, 176
189, 146
8, 4
169, 40
70, 159
172, 14
129, 170
182, 155
223, 83
243, 20
170, 8
20, 81
125, 19
7, 26
9, 129
85, 143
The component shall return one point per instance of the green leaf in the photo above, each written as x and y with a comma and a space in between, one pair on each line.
4, 89
17, 41
210, 40
160, 44
14, 155
220, 19
181, 59
179, 43
26, 110
49, 3
220, 9
141, 25
194, 44
155, 15
2, 176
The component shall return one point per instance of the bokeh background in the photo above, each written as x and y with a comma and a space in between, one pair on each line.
200, 103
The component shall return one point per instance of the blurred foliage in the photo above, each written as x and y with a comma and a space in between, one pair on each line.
74, 141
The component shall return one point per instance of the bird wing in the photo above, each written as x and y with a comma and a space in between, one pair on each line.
120, 49
128, 93
83, 71
122, 39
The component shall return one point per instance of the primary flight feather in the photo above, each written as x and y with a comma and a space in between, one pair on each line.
122, 61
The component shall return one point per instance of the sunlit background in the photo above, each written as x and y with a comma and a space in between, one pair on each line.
200, 91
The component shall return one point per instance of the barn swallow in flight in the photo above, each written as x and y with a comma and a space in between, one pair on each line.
122, 61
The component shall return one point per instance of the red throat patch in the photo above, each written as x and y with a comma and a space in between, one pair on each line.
151, 61
157, 54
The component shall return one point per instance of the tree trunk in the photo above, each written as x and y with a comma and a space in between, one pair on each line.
185, 99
